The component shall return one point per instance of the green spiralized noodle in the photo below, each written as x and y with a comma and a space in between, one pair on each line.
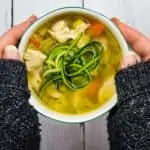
66, 63
46, 44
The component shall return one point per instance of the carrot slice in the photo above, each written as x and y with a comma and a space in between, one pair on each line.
96, 29
93, 89
35, 42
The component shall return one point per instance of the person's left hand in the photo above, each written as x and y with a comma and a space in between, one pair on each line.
9, 39
140, 44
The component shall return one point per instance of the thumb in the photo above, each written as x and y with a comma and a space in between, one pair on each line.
129, 60
11, 52
139, 43
13, 35
17, 31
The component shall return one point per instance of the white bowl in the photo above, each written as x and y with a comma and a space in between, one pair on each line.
109, 24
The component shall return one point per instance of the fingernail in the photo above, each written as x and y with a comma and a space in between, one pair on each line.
32, 18
11, 52
116, 20
138, 59
11, 48
129, 60
146, 58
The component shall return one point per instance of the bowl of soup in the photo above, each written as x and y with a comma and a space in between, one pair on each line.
72, 55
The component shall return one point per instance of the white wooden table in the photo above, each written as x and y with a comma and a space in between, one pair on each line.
91, 135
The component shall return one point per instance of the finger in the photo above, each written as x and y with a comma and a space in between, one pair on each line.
139, 42
129, 60
11, 52
13, 35
17, 31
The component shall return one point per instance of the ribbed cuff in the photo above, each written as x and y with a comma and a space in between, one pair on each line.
132, 81
13, 73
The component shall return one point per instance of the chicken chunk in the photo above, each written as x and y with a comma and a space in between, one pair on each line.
61, 31
35, 79
34, 63
34, 59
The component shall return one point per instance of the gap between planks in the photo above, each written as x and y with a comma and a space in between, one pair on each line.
12, 13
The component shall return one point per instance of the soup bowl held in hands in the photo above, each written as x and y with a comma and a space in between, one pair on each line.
72, 55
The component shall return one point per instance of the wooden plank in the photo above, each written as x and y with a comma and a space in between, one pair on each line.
133, 12
107, 7
96, 131
55, 136
137, 14
58, 136
5, 15
23, 9
96, 137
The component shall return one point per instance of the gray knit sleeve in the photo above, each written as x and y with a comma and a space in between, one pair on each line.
19, 124
129, 121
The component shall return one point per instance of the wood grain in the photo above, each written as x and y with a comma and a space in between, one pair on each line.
96, 137
5, 15
137, 15
55, 136
133, 12
23, 9
58, 136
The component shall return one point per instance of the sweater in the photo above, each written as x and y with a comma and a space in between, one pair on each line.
128, 121
19, 124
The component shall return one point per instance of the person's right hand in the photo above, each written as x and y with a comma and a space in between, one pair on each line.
10, 38
139, 43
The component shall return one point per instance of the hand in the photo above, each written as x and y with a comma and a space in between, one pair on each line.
139, 43
11, 37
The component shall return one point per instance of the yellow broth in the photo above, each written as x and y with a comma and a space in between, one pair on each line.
100, 89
